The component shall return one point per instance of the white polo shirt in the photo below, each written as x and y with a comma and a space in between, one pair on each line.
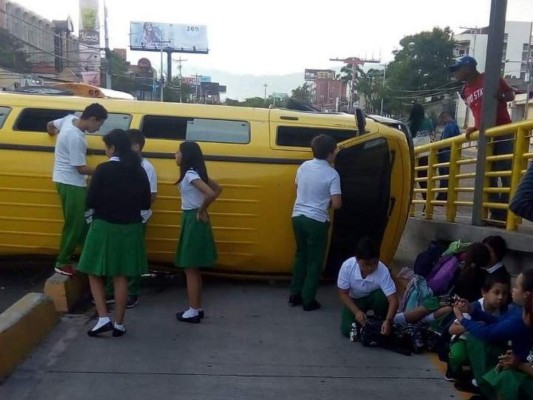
70, 151
191, 197
316, 182
350, 278
152, 178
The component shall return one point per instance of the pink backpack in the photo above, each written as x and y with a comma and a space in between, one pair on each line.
443, 276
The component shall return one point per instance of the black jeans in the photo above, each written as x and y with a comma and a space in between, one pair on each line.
502, 146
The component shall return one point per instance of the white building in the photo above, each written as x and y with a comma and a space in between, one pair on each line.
517, 44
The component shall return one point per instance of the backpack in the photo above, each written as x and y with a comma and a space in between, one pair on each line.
417, 290
444, 274
426, 260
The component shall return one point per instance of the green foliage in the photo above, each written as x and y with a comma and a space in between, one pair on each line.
420, 68
257, 102
172, 91
121, 79
12, 55
303, 93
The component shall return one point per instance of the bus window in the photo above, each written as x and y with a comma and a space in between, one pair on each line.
35, 119
218, 130
113, 121
297, 136
198, 129
4, 112
161, 127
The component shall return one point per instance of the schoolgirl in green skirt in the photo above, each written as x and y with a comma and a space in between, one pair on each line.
114, 246
196, 245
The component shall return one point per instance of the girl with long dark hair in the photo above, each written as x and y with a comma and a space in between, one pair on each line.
196, 246
114, 247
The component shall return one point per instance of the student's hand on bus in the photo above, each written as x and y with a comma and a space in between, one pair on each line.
202, 215
469, 132
360, 317
386, 328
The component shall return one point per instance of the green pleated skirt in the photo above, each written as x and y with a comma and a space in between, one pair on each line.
507, 384
196, 245
114, 250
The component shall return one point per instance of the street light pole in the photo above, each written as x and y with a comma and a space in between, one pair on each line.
161, 43
265, 85
528, 73
383, 88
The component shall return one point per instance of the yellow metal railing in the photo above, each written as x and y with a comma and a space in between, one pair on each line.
454, 201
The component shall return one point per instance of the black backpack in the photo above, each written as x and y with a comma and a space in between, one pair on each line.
426, 260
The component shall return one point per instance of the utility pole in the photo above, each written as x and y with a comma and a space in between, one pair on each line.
354, 62
383, 87
180, 61
498, 11
528, 73
107, 50
265, 85
162, 80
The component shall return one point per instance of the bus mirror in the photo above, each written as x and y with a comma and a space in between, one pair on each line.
360, 121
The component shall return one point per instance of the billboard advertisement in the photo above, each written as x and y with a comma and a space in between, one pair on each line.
314, 74
90, 41
179, 38
89, 23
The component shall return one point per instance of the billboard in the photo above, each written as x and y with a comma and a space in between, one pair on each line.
314, 74
89, 23
179, 38
90, 41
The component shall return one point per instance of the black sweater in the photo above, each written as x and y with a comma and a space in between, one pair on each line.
118, 194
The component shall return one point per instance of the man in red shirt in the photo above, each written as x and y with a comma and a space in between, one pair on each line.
465, 70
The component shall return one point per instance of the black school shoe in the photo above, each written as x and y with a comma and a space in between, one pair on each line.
118, 332
466, 386
295, 300
193, 320
314, 305
104, 328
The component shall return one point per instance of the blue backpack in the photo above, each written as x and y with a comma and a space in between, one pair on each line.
416, 292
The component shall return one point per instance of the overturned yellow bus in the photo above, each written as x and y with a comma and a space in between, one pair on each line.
252, 153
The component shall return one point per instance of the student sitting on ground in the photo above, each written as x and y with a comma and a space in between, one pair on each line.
495, 294
512, 378
488, 334
365, 284
497, 249
465, 281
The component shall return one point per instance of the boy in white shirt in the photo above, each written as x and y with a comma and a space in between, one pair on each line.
317, 188
365, 284
70, 176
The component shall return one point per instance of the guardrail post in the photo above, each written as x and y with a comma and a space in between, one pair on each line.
519, 163
453, 171
430, 183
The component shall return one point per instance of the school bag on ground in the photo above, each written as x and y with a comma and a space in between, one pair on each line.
426, 260
442, 279
416, 292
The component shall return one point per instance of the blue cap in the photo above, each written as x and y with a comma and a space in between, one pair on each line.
463, 61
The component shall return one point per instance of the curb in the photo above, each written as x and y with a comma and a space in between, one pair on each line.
22, 327
66, 291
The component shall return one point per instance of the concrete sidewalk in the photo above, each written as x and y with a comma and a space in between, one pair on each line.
251, 345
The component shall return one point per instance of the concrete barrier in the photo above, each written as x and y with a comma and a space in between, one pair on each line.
22, 327
66, 291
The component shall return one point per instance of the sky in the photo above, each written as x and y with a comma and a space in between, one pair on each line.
279, 37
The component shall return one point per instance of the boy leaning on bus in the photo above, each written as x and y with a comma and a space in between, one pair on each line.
317, 188
70, 176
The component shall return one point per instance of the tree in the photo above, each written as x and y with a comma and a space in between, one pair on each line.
420, 68
121, 78
371, 87
257, 102
12, 54
303, 93
172, 91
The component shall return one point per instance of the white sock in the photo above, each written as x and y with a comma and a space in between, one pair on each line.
190, 313
120, 327
101, 322
399, 319
429, 318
